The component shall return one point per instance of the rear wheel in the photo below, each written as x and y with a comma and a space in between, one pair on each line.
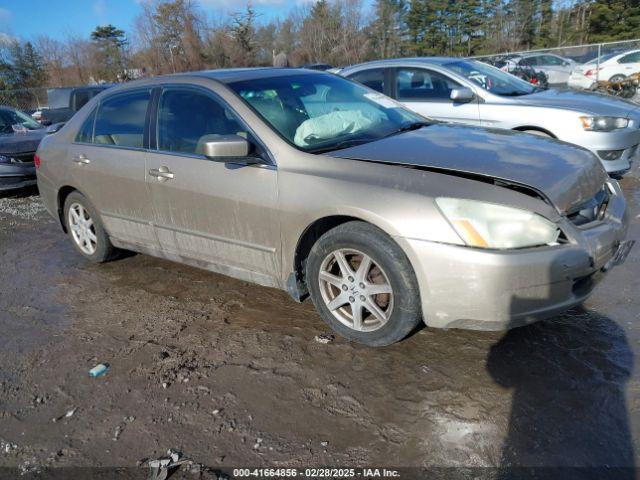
85, 229
617, 78
363, 285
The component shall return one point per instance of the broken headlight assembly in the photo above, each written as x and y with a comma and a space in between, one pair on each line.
487, 225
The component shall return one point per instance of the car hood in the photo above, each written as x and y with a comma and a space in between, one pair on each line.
565, 174
27, 142
587, 102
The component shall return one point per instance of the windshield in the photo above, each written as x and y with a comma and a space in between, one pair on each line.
322, 112
491, 79
14, 120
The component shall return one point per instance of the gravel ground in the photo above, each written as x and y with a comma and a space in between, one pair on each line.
231, 374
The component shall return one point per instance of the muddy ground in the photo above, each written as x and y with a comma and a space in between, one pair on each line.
230, 374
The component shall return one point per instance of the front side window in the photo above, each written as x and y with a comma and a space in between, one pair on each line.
121, 119
424, 85
529, 61
551, 60
491, 79
187, 119
373, 78
321, 112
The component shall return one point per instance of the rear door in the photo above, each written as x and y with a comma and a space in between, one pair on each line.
107, 164
429, 93
221, 215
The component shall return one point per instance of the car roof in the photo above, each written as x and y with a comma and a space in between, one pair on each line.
428, 60
230, 75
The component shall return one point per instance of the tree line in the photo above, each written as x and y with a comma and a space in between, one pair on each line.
180, 35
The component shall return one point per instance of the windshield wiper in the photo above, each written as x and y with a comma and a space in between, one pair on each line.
340, 145
409, 127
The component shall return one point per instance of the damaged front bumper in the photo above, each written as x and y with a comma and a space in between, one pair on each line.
462, 287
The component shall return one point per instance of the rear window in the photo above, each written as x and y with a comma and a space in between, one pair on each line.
121, 119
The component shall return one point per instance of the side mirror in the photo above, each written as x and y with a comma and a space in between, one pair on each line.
225, 147
462, 95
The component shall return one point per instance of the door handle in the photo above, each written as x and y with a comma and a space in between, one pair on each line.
162, 173
81, 159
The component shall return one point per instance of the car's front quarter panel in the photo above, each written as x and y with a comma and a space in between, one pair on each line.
565, 125
399, 200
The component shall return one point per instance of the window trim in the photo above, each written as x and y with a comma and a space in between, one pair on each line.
96, 110
155, 117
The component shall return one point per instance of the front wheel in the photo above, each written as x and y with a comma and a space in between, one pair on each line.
362, 284
85, 229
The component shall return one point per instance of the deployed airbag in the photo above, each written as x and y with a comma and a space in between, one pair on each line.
330, 125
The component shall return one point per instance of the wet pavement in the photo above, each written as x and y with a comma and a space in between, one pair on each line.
230, 373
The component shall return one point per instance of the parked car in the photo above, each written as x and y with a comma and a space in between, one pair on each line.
311, 183
19, 138
468, 91
523, 72
612, 67
63, 103
556, 68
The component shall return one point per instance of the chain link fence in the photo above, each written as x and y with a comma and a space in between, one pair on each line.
28, 99
612, 67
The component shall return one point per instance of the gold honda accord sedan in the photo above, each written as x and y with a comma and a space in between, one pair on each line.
314, 184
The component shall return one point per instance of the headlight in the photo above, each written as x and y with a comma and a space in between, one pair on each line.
487, 225
4, 159
603, 124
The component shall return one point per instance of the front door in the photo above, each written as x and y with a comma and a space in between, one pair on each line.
429, 93
222, 216
107, 164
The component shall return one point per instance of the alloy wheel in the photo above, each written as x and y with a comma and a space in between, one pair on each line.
82, 228
356, 290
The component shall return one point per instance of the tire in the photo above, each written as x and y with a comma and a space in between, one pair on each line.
617, 78
91, 231
390, 274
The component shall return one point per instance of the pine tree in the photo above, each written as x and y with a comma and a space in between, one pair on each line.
109, 42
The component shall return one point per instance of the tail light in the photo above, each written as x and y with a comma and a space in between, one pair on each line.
591, 73
36, 161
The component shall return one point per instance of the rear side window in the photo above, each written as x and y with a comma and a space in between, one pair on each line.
121, 119
370, 78
631, 58
85, 135
187, 119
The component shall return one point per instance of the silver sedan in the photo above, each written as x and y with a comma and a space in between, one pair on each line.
471, 92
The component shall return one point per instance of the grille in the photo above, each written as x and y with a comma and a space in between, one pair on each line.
591, 210
20, 157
